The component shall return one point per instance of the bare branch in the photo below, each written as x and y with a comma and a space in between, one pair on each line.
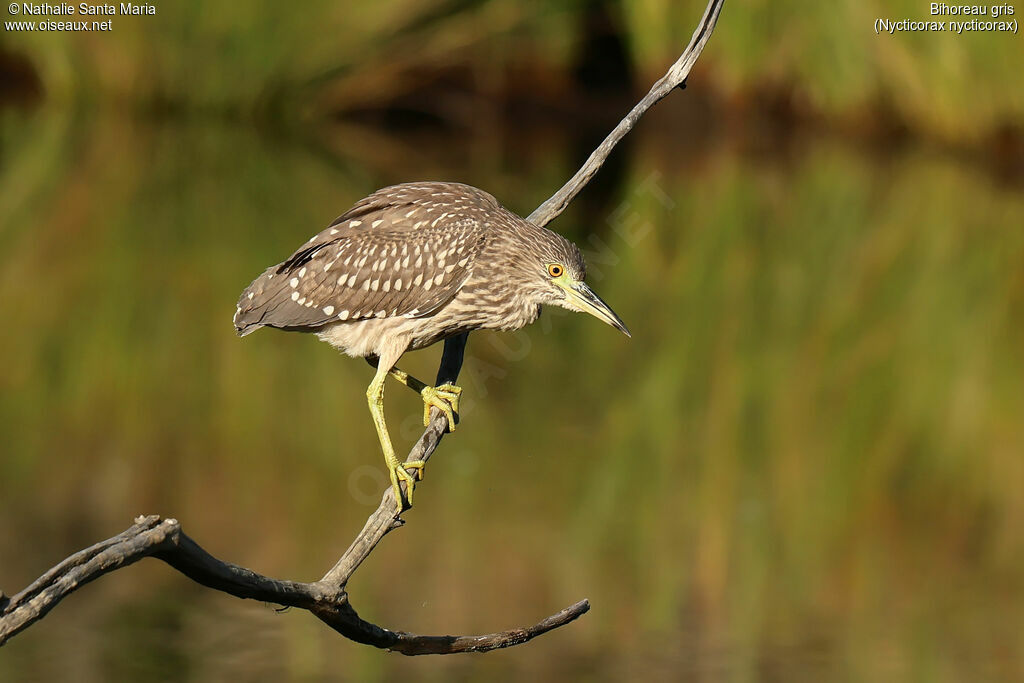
675, 77
385, 518
163, 539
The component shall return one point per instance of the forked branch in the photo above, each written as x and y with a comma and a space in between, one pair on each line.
163, 538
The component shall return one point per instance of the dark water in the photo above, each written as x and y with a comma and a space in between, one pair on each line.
805, 465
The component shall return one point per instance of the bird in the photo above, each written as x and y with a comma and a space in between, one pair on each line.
411, 265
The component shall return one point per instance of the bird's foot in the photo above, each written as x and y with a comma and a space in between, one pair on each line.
445, 398
400, 471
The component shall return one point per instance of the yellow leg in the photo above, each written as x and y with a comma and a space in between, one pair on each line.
397, 470
444, 397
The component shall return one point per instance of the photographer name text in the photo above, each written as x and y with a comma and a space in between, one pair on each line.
63, 9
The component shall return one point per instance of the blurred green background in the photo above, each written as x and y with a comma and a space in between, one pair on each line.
806, 465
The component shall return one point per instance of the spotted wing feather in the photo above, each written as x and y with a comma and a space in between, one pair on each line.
402, 251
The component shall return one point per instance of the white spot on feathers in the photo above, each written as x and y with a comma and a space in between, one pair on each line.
418, 280
294, 282
376, 223
328, 310
354, 224
343, 315
302, 273
295, 296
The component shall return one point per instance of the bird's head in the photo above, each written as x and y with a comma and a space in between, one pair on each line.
557, 272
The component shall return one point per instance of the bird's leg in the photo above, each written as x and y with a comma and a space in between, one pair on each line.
397, 470
444, 397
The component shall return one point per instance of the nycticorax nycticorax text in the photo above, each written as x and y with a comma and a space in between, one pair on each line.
411, 265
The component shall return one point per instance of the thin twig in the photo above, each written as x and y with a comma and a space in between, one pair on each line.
675, 77
163, 539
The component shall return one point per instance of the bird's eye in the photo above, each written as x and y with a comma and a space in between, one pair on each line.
555, 270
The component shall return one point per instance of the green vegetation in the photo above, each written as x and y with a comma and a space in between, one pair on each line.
808, 454
805, 464
275, 57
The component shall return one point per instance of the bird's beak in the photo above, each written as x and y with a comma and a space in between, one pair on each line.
587, 301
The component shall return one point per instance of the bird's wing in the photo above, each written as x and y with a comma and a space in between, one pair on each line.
388, 256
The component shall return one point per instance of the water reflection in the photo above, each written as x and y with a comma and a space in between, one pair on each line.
805, 465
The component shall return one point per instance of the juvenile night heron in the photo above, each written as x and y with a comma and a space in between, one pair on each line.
411, 265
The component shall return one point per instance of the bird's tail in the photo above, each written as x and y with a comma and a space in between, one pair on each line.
252, 307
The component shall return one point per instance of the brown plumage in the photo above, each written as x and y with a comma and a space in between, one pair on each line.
411, 265
393, 254
404, 254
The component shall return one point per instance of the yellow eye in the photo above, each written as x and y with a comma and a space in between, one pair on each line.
555, 270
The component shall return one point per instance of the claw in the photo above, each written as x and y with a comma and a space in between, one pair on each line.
445, 398
399, 471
